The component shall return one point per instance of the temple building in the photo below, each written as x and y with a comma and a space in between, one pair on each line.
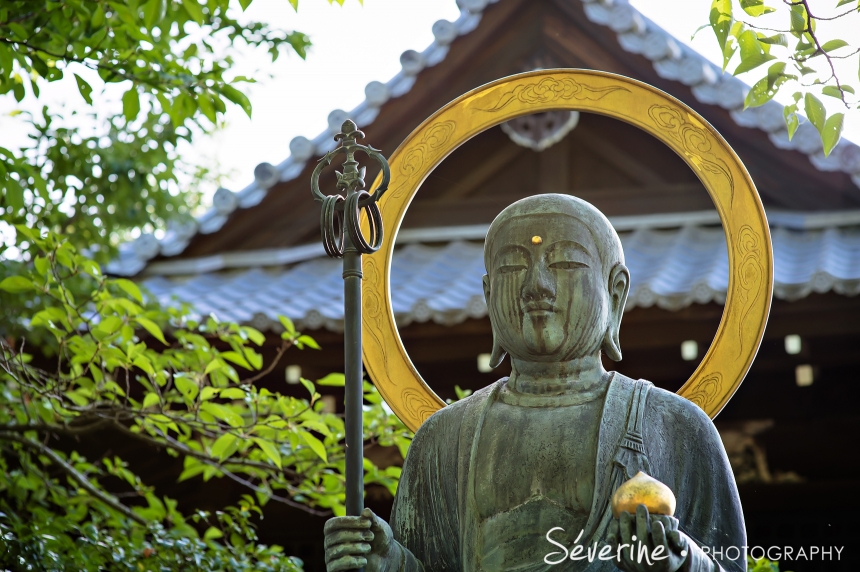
791, 428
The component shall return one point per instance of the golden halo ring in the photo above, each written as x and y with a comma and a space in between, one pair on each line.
718, 167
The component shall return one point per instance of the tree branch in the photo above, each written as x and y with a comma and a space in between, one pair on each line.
62, 429
285, 345
76, 475
809, 18
179, 447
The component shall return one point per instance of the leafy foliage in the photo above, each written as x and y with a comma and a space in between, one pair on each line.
761, 565
177, 387
173, 60
83, 354
793, 49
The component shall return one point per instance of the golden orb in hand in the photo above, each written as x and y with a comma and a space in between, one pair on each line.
642, 489
537, 240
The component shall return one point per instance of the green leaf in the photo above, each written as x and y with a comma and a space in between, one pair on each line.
151, 327
287, 324
28, 232
208, 393
776, 39
315, 445
237, 97
150, 400
798, 19
844, 2
14, 195
756, 8
831, 45
832, 132
17, 284
85, 89
309, 385
91, 267
255, 359
223, 413
48, 316
271, 450
294, 4
226, 445
212, 533
206, 106
187, 387
42, 264
194, 10
832, 91
131, 104
129, 288
815, 112
98, 18
254, 335
721, 20
63, 255
732, 46
752, 53
143, 363
236, 358
213, 365
766, 88
153, 12
244, 4
308, 341
110, 324
233, 393
333, 380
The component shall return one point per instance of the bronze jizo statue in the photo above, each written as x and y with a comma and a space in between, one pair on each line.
519, 475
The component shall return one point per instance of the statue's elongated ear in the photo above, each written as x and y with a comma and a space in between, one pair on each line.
619, 286
498, 353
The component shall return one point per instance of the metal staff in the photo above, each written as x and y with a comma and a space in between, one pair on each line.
342, 238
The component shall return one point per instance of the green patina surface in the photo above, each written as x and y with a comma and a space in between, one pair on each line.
517, 475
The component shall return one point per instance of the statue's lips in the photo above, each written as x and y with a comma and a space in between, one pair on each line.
538, 308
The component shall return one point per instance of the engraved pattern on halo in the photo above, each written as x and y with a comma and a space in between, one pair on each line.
694, 139
550, 89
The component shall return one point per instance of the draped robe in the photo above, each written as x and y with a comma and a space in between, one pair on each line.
670, 438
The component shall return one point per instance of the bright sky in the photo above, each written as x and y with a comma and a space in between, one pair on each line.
353, 45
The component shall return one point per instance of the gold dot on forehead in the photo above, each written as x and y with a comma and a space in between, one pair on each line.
537, 240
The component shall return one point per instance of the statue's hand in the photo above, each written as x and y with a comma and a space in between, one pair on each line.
353, 542
658, 545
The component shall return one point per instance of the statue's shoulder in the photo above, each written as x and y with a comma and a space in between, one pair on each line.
666, 408
451, 416
671, 410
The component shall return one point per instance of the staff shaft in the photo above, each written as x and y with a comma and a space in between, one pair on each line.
353, 383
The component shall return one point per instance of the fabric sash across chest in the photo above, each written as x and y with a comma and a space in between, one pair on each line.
621, 454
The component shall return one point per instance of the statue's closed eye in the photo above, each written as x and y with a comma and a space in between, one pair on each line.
567, 265
510, 268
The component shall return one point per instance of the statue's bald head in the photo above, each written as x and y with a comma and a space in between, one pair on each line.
605, 238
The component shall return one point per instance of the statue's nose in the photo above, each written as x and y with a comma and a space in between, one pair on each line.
539, 283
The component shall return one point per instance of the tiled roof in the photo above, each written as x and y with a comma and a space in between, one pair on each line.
636, 34
668, 268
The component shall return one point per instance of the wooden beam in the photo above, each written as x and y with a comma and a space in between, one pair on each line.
619, 158
485, 169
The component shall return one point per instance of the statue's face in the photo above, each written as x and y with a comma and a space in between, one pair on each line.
548, 298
